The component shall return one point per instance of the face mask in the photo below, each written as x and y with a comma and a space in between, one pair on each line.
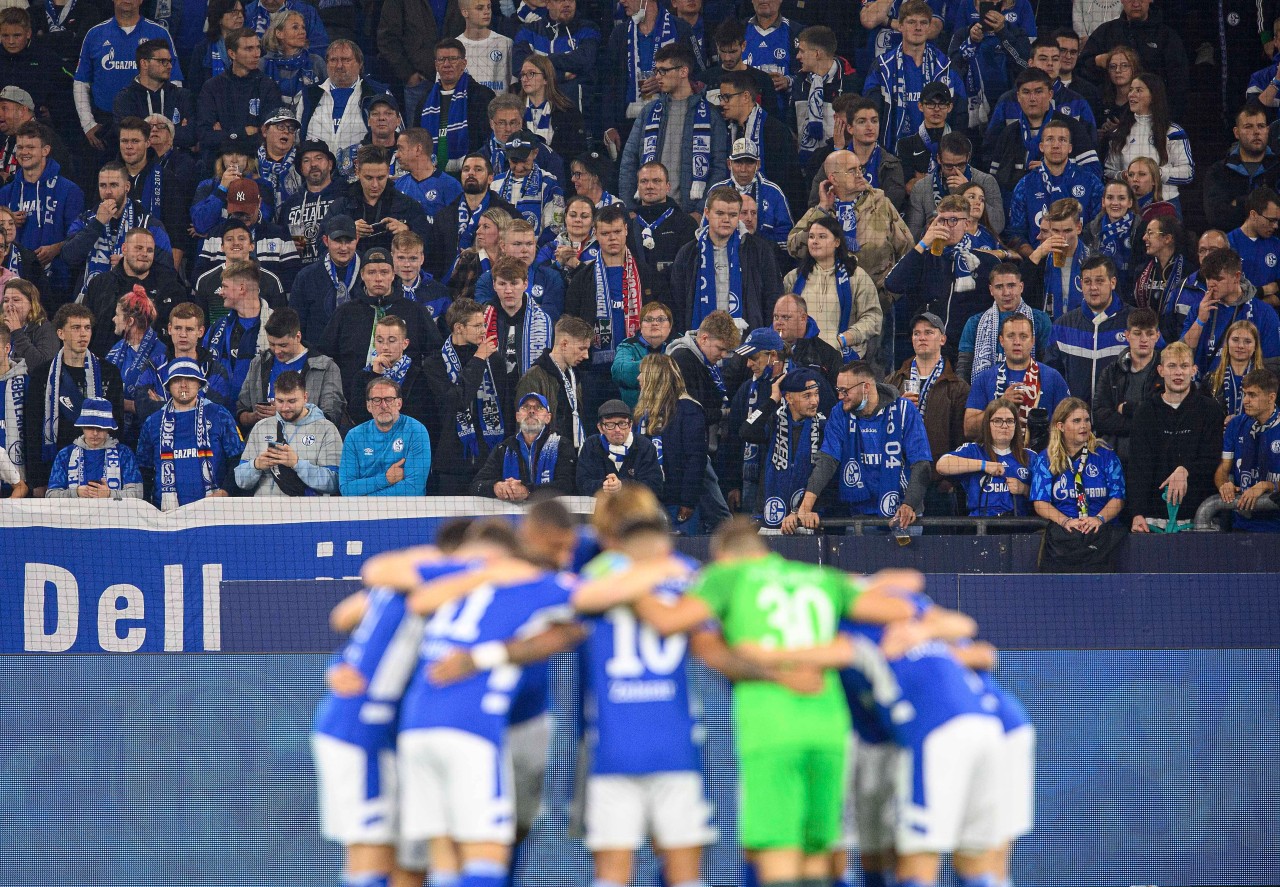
638, 15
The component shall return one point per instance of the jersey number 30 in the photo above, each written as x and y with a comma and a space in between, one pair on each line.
802, 617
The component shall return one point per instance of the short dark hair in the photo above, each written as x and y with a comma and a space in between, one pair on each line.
1044, 41
1006, 269
1067, 34
740, 80
34, 129
478, 155
188, 311
1220, 262
134, 124
1259, 199
956, 144
861, 368
570, 327
234, 38
416, 135
1251, 108
730, 31
372, 154
1142, 319
849, 104
450, 43
290, 381
820, 37
1015, 317
1100, 262
1032, 75
461, 311
724, 194
678, 53
284, 322
147, 49
614, 212
1262, 379
68, 311
1058, 123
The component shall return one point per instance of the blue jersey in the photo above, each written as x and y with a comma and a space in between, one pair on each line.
107, 61
225, 445
433, 193
480, 704
636, 685
1259, 257
990, 384
988, 495
875, 453
1253, 450
774, 220
919, 691
1003, 704
1039, 188
771, 50
384, 649
1101, 479
863, 713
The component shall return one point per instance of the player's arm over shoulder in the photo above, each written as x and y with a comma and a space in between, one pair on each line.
706, 600
881, 597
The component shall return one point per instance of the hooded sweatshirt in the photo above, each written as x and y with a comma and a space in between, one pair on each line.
319, 448
94, 469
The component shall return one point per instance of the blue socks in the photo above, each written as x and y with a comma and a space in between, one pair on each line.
443, 879
980, 881
877, 879
366, 879
482, 873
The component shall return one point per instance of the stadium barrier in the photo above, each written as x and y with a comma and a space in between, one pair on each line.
1155, 695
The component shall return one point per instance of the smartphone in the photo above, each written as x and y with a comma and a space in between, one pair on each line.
984, 7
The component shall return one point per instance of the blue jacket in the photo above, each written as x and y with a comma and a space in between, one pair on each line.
1066, 103
52, 205
1086, 347
573, 52
773, 215
682, 449
209, 204
367, 453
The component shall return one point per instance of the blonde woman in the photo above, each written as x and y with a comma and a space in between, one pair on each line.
479, 257
287, 57
1077, 484
32, 337
1242, 356
678, 427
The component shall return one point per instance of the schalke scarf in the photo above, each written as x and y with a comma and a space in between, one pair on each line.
292, 75
538, 119
939, 182
1114, 239
55, 21
497, 156
607, 302
11, 427
1148, 283
110, 242
871, 169
705, 283
1058, 301
758, 391
342, 287
228, 334
846, 213
787, 472
1251, 460
844, 292
1030, 135
569, 381
541, 464
1209, 346
753, 132
133, 364
398, 370
281, 175
986, 341
152, 190
963, 264
455, 124
1232, 391
813, 133
664, 32
974, 84
701, 148
536, 336
110, 466
59, 403
893, 77
168, 481
468, 221
533, 195
926, 384
486, 404
1030, 380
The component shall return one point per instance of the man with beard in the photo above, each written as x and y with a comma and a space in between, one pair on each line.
380, 211
295, 455
157, 190
154, 92
303, 212
137, 267
454, 227
535, 457
419, 177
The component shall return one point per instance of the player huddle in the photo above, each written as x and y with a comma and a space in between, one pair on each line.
864, 714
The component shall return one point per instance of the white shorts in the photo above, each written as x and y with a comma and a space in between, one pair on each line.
622, 810
357, 791
1018, 796
870, 809
528, 742
455, 784
960, 788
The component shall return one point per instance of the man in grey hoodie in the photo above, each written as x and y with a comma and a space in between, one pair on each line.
295, 454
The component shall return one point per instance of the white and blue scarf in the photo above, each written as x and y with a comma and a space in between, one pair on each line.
342, 288
468, 221
753, 132
1115, 239
12, 425
701, 148
167, 484
60, 403
1058, 301
893, 76
664, 32
1250, 461
281, 175
705, 282
846, 213
844, 293
538, 119
56, 22
541, 466
986, 341
813, 134
925, 384
497, 157
486, 404
1233, 389
398, 370
963, 264
940, 187
533, 196
109, 243
134, 364
536, 334
110, 466
456, 124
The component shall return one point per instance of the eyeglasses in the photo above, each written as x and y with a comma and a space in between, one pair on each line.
657, 318
529, 75
449, 59
1122, 66
617, 425
954, 167
936, 104
725, 96
1064, 51
383, 401
952, 222
1270, 220
1003, 422
658, 69
841, 392
161, 60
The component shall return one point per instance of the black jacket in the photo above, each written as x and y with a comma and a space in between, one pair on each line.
162, 284
33, 430
677, 230
174, 102
1227, 184
580, 295
478, 130
562, 481
442, 236
1190, 436
453, 470
391, 205
761, 282
235, 103
639, 466
781, 161
346, 338
1110, 421
1007, 154
29, 267
1158, 46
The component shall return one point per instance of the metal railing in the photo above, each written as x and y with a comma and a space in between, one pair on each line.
983, 526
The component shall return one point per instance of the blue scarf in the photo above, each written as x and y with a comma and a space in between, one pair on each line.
281, 175
341, 288
538, 119
986, 341
813, 133
487, 405
456, 124
844, 292
717, 377
1208, 347
216, 58
110, 466
705, 283
859, 484
13, 398
664, 32
871, 169
536, 334
701, 148
1233, 391
1057, 302
60, 403
753, 132
56, 22
1030, 140
468, 221
292, 75
109, 243
963, 264
787, 471
1114, 239
167, 482
151, 191
497, 157
541, 464
757, 393
1252, 455
893, 76
846, 214
940, 189
926, 384
398, 370
133, 365
533, 194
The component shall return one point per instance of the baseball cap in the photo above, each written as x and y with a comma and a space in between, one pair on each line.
763, 339
338, 226
95, 412
744, 149
935, 92
183, 368
611, 409
930, 318
533, 395
18, 96
376, 255
282, 115
381, 98
309, 147
520, 145
243, 196
799, 380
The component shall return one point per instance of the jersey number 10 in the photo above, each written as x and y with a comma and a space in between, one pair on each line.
637, 648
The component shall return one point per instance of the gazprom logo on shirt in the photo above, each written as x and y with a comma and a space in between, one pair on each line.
109, 62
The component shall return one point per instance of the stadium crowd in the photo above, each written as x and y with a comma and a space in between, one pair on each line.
772, 259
